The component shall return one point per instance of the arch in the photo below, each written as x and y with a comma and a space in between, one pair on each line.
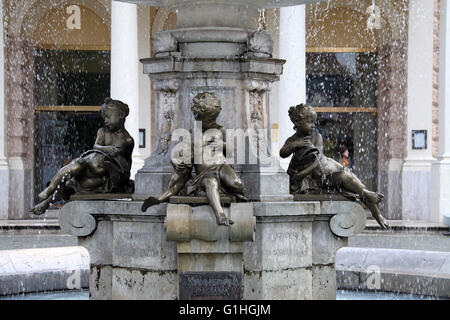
390, 9
162, 20
51, 32
394, 28
24, 15
343, 27
159, 20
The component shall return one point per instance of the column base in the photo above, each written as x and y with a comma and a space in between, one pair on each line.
266, 185
20, 182
416, 186
4, 190
390, 185
153, 178
440, 190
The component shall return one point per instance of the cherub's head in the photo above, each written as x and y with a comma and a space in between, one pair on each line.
304, 118
206, 106
114, 113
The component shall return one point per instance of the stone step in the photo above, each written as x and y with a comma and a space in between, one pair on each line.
37, 270
30, 227
394, 270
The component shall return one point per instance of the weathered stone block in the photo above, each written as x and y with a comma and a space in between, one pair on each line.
279, 246
325, 243
324, 282
278, 285
100, 283
210, 262
99, 244
138, 284
142, 245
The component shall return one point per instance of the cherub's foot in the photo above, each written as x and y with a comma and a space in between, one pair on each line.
241, 197
372, 197
40, 208
151, 201
222, 220
45, 194
382, 222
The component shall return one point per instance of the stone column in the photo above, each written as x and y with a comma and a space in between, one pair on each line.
416, 179
19, 101
440, 188
391, 126
125, 69
144, 51
4, 171
292, 86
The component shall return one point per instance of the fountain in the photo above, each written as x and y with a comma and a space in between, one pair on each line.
277, 248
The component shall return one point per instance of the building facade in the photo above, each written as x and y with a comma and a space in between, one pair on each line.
375, 71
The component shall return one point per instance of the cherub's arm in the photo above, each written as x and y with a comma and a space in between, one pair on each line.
100, 144
317, 141
300, 175
100, 139
293, 143
180, 164
130, 147
288, 148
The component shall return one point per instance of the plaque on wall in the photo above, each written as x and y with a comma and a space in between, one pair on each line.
210, 286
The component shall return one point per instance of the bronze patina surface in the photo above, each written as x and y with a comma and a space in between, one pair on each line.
213, 174
104, 169
311, 172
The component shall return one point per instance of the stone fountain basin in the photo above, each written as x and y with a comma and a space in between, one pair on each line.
217, 13
253, 3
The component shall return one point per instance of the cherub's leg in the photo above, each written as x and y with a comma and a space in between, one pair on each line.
351, 183
65, 173
42, 206
373, 207
176, 183
231, 181
212, 193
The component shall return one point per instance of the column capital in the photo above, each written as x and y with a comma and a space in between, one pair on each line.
257, 85
167, 85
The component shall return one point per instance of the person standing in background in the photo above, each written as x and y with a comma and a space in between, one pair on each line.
345, 157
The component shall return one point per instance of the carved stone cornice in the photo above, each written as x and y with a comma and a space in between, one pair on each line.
167, 85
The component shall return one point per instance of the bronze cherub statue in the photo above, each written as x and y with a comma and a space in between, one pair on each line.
104, 169
311, 171
213, 175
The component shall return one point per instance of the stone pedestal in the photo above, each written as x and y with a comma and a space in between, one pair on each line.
210, 270
242, 84
290, 254
129, 255
293, 256
210, 263
214, 48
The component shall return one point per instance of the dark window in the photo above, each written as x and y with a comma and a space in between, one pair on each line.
70, 80
344, 89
